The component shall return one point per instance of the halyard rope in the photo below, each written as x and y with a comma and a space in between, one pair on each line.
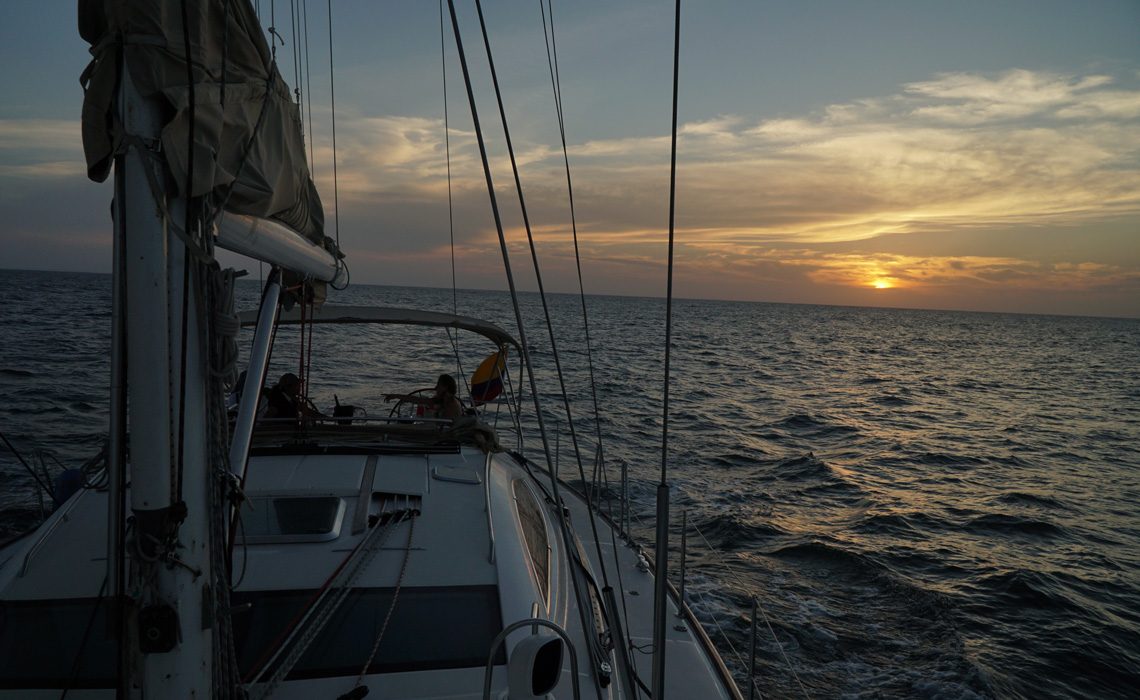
392, 605
314, 618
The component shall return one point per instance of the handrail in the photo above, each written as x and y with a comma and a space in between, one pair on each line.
385, 315
58, 517
487, 505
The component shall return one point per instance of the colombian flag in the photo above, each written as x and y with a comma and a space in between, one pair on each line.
487, 382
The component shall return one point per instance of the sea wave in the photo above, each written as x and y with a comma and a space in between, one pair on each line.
926, 504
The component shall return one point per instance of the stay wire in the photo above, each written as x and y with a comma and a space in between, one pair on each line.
450, 207
447, 150
556, 82
12, 449
309, 350
538, 278
672, 220
392, 605
513, 289
545, 305
662, 529
77, 662
556, 86
309, 92
273, 31
746, 587
332, 105
294, 24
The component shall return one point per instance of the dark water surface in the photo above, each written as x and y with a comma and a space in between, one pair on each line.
925, 504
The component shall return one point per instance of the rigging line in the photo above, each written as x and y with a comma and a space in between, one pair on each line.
344, 573
447, 149
672, 219
294, 24
552, 60
563, 530
450, 207
545, 308
720, 628
332, 104
454, 342
75, 664
392, 605
556, 83
225, 54
309, 353
314, 625
502, 237
273, 29
12, 448
746, 587
541, 286
662, 545
309, 92
556, 87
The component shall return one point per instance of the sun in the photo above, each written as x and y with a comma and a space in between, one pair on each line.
882, 283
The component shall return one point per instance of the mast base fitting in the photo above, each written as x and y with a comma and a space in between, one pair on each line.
158, 629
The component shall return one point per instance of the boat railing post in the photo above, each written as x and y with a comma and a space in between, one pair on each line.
621, 644
624, 514
660, 582
598, 480
684, 549
487, 506
752, 654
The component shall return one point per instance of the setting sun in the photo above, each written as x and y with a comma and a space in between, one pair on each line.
882, 283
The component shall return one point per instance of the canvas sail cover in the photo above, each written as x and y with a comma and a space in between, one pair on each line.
248, 149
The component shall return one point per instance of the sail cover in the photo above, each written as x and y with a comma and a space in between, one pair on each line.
248, 149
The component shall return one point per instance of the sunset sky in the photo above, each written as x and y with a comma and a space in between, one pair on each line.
972, 155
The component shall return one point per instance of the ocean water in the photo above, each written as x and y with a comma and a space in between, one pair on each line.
923, 504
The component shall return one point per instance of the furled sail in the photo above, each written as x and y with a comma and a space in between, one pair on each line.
248, 148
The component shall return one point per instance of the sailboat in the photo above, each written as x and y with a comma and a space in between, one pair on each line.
232, 554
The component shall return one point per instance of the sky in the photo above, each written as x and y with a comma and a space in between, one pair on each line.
976, 155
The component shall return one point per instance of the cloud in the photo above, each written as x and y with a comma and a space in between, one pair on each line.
762, 200
759, 200
37, 150
970, 98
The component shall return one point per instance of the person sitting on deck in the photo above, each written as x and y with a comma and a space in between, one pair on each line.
442, 404
284, 400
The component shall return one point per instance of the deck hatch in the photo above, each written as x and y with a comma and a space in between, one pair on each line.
292, 519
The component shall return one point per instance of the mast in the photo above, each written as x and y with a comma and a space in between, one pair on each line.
168, 640
171, 82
